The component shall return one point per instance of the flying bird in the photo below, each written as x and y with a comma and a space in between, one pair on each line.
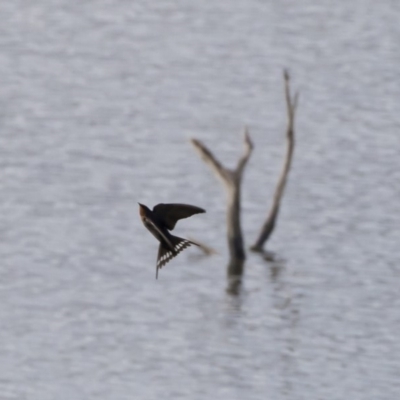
163, 219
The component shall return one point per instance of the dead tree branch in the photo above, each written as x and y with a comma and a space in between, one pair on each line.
232, 182
269, 225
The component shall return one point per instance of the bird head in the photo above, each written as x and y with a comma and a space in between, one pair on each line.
143, 211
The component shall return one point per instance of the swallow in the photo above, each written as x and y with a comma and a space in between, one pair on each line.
160, 221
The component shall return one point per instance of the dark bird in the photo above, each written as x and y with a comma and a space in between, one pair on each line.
163, 219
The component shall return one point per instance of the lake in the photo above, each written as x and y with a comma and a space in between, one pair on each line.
99, 101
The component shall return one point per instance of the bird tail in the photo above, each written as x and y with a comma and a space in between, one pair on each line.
166, 254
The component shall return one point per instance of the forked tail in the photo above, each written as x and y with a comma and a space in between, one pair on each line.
166, 254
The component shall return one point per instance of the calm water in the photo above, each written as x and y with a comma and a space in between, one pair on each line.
98, 102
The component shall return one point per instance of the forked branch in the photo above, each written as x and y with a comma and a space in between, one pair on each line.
232, 182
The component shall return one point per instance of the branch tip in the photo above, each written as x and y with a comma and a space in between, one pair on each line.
286, 75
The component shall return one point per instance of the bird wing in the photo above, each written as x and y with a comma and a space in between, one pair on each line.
169, 214
161, 234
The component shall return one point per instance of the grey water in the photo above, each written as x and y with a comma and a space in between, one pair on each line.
98, 101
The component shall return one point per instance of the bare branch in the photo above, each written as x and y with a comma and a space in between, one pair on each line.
248, 148
269, 225
208, 157
232, 181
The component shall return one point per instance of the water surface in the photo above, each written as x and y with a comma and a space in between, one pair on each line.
98, 101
